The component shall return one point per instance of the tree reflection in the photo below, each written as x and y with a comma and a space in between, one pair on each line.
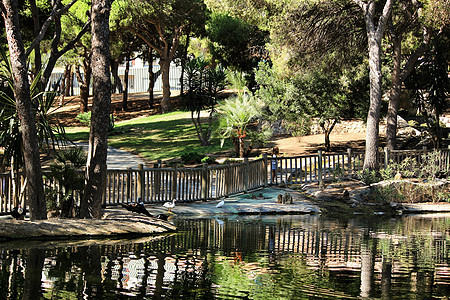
274, 259
33, 274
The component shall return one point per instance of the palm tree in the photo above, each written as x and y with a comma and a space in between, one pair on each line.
236, 114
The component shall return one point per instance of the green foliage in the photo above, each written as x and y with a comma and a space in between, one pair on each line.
324, 96
84, 118
65, 171
208, 160
203, 85
421, 184
299, 128
232, 41
48, 128
237, 81
192, 158
369, 176
236, 114
407, 168
429, 85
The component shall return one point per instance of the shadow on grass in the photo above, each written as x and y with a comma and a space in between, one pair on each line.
157, 137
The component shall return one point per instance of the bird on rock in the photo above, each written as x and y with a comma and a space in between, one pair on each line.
18, 212
162, 217
170, 205
221, 203
136, 207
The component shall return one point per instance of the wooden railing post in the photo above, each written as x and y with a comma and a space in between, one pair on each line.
227, 179
319, 166
105, 188
157, 183
265, 172
174, 182
140, 182
246, 174
129, 189
205, 182
349, 160
386, 157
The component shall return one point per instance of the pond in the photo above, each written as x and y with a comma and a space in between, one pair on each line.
272, 257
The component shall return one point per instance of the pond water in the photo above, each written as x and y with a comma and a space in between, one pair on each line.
273, 257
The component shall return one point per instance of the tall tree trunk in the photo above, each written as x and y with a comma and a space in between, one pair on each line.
117, 84
69, 84
72, 75
98, 137
374, 34
164, 64
398, 77
125, 83
65, 82
183, 61
151, 78
394, 94
36, 200
84, 81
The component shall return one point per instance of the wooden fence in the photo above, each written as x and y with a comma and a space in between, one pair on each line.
158, 184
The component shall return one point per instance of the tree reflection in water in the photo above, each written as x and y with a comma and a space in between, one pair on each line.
294, 257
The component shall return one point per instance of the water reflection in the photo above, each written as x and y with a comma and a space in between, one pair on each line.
294, 257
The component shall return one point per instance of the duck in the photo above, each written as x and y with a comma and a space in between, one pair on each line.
18, 212
163, 217
221, 203
138, 207
170, 205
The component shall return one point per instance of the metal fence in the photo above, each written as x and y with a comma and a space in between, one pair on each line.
158, 184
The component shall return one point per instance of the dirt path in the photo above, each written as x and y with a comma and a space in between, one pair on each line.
291, 146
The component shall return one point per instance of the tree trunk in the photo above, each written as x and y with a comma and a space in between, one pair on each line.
68, 83
65, 82
117, 85
374, 34
164, 64
72, 75
151, 78
398, 77
394, 94
98, 137
183, 61
125, 83
84, 83
36, 200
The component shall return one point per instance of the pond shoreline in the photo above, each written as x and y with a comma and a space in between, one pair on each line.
337, 199
114, 223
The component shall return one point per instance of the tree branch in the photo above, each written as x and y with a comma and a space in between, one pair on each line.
384, 17
55, 13
150, 44
72, 43
409, 66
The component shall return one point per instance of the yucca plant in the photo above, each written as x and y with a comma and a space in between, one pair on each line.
235, 116
66, 171
48, 128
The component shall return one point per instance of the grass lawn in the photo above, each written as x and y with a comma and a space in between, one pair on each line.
155, 137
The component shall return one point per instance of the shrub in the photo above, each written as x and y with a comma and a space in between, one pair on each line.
208, 160
191, 158
84, 118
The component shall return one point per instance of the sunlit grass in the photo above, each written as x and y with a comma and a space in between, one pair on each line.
154, 137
